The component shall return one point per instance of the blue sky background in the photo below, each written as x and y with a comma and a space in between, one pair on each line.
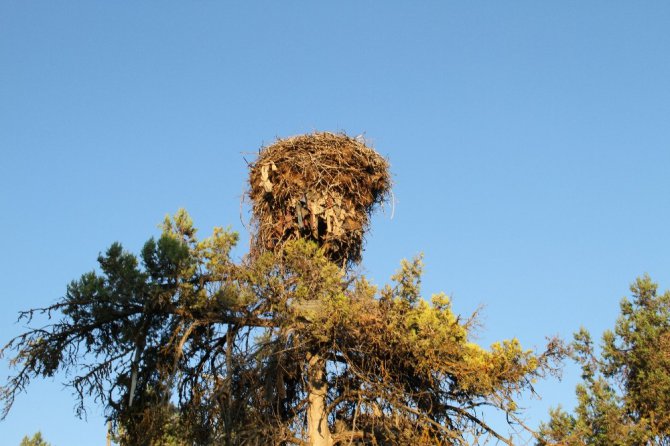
529, 142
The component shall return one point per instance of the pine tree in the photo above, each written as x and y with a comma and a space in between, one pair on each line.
624, 398
290, 345
36, 440
286, 349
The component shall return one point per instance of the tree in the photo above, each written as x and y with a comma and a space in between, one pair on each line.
36, 440
289, 346
624, 398
286, 349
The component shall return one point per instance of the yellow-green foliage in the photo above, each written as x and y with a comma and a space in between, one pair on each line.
227, 342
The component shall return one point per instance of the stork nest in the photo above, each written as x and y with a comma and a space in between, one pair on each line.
321, 187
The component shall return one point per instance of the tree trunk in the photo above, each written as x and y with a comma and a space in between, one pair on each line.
317, 418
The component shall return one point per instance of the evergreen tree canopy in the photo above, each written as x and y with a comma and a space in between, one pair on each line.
36, 440
624, 398
286, 348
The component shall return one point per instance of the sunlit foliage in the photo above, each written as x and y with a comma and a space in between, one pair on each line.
219, 351
35, 440
624, 398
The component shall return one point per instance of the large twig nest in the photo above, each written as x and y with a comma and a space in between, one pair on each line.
321, 187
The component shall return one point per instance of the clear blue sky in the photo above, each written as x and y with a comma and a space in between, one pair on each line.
529, 141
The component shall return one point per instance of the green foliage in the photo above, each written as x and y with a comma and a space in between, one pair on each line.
36, 440
624, 398
184, 345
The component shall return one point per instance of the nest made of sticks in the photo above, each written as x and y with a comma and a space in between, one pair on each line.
321, 187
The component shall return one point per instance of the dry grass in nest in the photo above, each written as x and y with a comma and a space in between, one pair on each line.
321, 187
